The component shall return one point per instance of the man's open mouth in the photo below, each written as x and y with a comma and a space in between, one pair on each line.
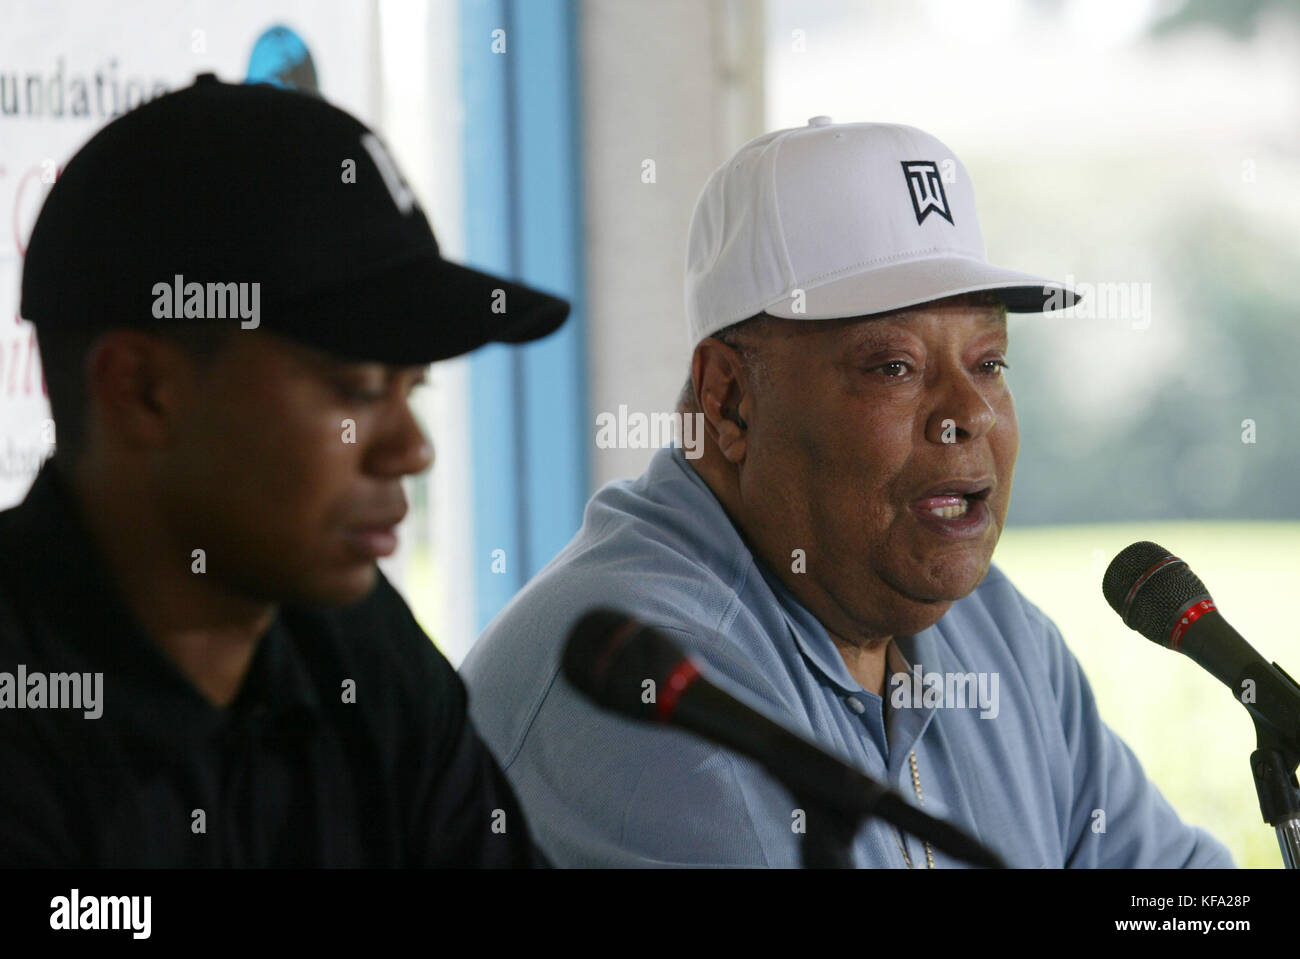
951, 504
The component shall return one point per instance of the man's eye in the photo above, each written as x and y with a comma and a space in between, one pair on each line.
1001, 364
890, 365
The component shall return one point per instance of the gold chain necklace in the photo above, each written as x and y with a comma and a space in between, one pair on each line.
916, 784
898, 838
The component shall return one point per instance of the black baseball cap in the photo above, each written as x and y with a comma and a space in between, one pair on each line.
220, 184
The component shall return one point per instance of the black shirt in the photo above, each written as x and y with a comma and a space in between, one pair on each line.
290, 774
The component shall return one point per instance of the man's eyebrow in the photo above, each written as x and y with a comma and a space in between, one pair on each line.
322, 361
332, 363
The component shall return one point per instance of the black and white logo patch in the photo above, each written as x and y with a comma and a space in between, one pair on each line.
389, 173
926, 189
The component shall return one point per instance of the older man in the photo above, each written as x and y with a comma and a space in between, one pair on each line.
829, 555
235, 294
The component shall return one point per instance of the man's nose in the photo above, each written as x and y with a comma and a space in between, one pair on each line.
401, 449
962, 412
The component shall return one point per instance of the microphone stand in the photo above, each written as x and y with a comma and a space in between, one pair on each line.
1273, 764
1279, 798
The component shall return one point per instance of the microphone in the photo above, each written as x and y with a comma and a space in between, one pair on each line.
629, 668
1156, 594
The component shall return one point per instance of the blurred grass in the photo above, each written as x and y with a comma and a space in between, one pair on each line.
1193, 738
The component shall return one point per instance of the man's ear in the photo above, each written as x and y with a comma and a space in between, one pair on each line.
717, 373
137, 386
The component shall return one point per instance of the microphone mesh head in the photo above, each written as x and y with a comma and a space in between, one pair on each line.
610, 656
584, 660
1165, 586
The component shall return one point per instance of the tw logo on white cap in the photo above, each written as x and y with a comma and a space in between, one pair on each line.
926, 189
811, 223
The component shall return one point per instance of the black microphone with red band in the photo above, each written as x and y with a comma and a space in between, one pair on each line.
1156, 594
632, 669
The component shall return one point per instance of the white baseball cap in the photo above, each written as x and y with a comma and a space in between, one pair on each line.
835, 220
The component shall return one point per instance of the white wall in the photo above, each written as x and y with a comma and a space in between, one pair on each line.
678, 82
130, 45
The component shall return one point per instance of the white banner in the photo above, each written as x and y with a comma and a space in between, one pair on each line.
68, 68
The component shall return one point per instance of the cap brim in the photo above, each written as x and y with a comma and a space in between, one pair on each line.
901, 285
418, 312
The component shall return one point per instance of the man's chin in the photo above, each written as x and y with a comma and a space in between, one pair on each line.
941, 584
342, 588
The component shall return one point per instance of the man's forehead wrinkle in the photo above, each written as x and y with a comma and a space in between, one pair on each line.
874, 329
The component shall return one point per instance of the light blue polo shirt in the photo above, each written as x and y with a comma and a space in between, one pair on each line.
1033, 772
